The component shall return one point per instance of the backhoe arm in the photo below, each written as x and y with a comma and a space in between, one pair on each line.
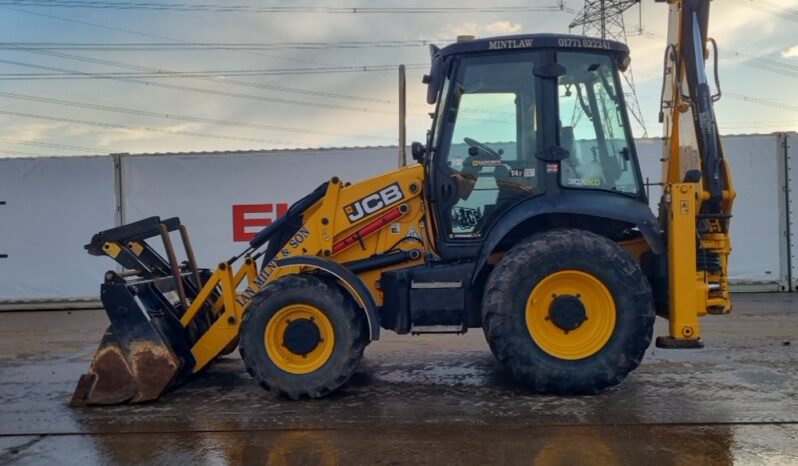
696, 203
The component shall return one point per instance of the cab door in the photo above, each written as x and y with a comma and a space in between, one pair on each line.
485, 159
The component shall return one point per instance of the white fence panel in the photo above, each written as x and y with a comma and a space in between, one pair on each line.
759, 247
224, 198
52, 207
791, 161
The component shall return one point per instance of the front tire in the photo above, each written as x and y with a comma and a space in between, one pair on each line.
568, 312
301, 336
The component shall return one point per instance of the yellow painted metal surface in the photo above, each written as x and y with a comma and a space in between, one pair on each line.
636, 247
693, 292
395, 236
111, 249
685, 304
281, 356
583, 341
136, 247
225, 328
344, 210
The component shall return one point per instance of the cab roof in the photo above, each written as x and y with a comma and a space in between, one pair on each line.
534, 41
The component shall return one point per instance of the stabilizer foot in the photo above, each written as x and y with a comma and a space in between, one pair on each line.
673, 343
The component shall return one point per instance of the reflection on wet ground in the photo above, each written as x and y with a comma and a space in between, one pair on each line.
432, 400
549, 446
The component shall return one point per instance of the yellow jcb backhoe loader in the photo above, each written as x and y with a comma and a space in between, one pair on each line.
525, 215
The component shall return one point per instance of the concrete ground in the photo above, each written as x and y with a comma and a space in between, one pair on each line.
417, 400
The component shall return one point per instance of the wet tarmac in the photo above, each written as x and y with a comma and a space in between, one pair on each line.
417, 400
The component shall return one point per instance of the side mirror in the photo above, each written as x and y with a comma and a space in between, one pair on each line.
418, 150
435, 77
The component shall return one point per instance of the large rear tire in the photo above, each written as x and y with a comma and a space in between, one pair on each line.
568, 312
302, 336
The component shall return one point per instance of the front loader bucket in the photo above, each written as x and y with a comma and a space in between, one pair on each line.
143, 353
146, 350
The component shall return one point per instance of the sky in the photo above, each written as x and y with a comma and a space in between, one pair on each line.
246, 99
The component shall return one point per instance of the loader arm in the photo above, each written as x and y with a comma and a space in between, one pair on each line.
696, 204
171, 319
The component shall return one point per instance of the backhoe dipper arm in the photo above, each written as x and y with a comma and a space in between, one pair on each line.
696, 204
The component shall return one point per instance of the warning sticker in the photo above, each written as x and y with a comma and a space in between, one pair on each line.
522, 173
485, 163
412, 233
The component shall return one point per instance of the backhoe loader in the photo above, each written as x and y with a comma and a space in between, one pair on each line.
526, 215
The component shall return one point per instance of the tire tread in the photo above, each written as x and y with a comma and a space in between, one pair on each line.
312, 286
539, 370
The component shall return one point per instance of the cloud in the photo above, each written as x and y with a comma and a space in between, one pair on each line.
31, 131
115, 136
495, 28
502, 27
736, 26
790, 52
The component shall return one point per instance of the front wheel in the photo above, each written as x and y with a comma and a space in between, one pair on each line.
302, 336
568, 312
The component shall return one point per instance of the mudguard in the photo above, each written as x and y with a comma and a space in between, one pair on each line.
597, 204
353, 284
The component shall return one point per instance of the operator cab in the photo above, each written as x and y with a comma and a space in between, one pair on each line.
523, 117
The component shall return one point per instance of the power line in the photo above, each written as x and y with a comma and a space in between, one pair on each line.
172, 116
757, 62
213, 76
54, 146
88, 23
227, 8
225, 46
142, 128
743, 98
151, 35
202, 91
760, 101
159, 73
25, 154
770, 8
221, 75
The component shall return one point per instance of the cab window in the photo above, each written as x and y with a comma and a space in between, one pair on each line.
491, 150
592, 126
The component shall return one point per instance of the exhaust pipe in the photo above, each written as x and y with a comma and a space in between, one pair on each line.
402, 117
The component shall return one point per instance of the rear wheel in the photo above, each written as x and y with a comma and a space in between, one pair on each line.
301, 336
568, 312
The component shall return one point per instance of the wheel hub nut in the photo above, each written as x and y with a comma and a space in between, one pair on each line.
567, 312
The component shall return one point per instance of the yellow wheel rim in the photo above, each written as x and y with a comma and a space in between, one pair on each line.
545, 315
279, 349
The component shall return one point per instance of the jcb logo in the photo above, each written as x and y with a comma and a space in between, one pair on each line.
373, 202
